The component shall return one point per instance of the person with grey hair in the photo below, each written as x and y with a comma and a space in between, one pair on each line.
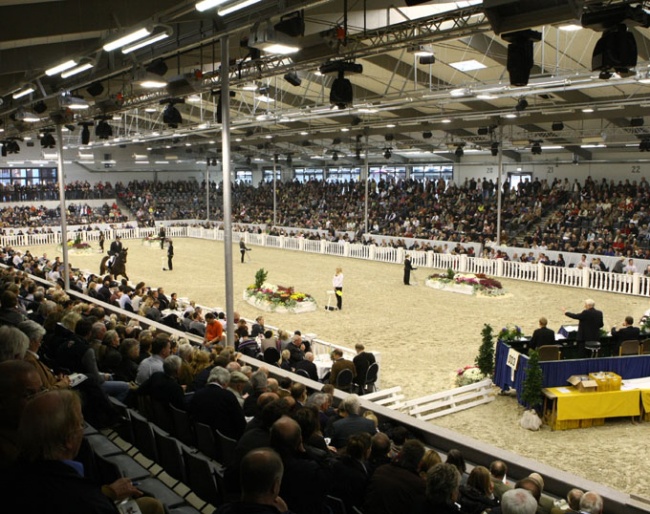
258, 383
13, 343
238, 381
591, 503
214, 405
351, 422
442, 482
35, 333
590, 321
163, 387
518, 501
307, 364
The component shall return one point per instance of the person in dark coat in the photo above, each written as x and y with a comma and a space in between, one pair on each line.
397, 487
170, 255
214, 405
590, 321
351, 423
477, 495
362, 361
441, 490
625, 332
163, 386
542, 336
408, 267
351, 472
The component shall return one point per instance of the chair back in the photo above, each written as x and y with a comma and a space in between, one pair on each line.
169, 453
162, 416
646, 346
226, 448
344, 380
371, 374
201, 477
302, 373
549, 352
206, 440
144, 439
182, 426
630, 348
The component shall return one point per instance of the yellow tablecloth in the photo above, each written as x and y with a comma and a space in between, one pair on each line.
575, 405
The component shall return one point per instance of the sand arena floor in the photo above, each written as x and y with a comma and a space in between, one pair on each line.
423, 335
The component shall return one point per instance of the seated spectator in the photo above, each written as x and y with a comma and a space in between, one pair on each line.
625, 332
238, 382
9, 311
542, 336
573, 498
127, 370
162, 386
351, 473
13, 343
351, 422
455, 457
261, 473
477, 496
397, 487
213, 330
430, 459
498, 473
339, 364
308, 365
591, 503
35, 333
518, 501
51, 431
160, 350
442, 481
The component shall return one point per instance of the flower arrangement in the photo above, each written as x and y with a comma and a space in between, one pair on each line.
263, 293
479, 282
78, 246
510, 333
468, 375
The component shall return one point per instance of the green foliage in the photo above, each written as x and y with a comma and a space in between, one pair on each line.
77, 239
451, 274
531, 396
260, 278
485, 358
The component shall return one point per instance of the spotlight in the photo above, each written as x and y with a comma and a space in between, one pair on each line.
389, 137
95, 89
171, 115
557, 125
103, 130
536, 148
47, 141
522, 104
157, 67
644, 145
292, 78
427, 134
11, 146
616, 49
39, 107
292, 24
427, 59
335, 156
494, 149
85, 132
520, 55
388, 153
341, 92
289, 160
459, 151
636, 122
214, 161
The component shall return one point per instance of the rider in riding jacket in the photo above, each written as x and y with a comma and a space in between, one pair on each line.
115, 249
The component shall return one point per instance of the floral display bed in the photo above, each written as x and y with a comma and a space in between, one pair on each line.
272, 298
465, 283
78, 248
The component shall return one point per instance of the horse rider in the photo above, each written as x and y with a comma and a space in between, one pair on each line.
115, 249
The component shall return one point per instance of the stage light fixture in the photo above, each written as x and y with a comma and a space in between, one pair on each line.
388, 153
337, 141
289, 160
636, 122
11, 146
95, 89
557, 125
644, 145
389, 137
494, 149
357, 154
248, 160
427, 134
293, 78
520, 55
102, 129
47, 139
85, 131
341, 93
427, 59
615, 50
40, 107
536, 148
522, 104
171, 115
459, 151
157, 67
335, 156
292, 24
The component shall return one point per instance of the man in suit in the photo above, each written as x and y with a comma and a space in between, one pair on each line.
351, 423
114, 250
498, 472
626, 332
339, 365
308, 365
542, 336
214, 405
408, 267
590, 321
362, 362
162, 386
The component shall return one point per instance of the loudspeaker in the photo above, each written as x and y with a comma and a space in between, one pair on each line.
616, 49
520, 62
95, 89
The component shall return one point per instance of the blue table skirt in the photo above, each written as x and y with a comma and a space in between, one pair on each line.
556, 372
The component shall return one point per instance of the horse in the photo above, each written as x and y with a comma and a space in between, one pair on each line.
118, 267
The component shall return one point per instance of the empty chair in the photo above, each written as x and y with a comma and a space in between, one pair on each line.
646, 346
206, 440
369, 383
144, 438
162, 416
169, 455
549, 352
271, 356
630, 348
593, 347
201, 476
182, 426
124, 428
225, 448
144, 406
344, 380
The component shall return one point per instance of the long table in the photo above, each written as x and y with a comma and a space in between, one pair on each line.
566, 407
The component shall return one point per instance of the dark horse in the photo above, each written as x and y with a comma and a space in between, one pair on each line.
118, 267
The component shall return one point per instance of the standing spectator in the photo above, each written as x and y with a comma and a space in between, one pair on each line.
362, 361
170, 255
337, 284
408, 267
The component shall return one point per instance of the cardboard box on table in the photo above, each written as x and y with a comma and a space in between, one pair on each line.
583, 383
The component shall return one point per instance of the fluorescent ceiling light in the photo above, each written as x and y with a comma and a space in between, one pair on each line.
279, 48
445, 120
570, 27
235, 6
470, 65
154, 38
150, 109
23, 92
74, 103
458, 92
204, 5
125, 40
552, 147
511, 115
265, 98
78, 69
486, 96
61, 67
588, 109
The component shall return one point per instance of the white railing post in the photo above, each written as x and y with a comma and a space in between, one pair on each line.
323, 245
586, 272
540, 272
462, 263
636, 283
400, 254
499, 272
372, 250
346, 249
301, 245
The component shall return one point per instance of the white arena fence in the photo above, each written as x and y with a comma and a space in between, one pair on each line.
630, 284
